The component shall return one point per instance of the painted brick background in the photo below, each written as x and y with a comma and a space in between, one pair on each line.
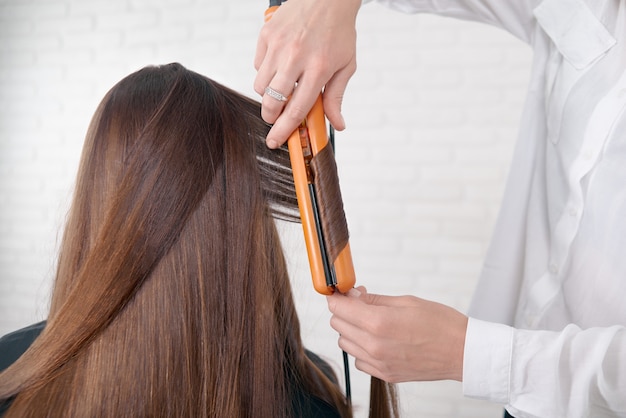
432, 115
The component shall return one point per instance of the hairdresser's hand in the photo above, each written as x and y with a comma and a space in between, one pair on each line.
400, 338
311, 43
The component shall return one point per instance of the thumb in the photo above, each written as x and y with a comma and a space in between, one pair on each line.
384, 300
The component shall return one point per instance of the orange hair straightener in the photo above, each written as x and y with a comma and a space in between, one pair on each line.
330, 270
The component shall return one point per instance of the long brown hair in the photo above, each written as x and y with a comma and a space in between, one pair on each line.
171, 296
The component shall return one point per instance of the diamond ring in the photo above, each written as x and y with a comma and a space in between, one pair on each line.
275, 95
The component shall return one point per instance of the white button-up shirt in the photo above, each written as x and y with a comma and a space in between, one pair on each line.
547, 329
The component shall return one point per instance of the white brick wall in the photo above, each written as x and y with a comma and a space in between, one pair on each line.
432, 114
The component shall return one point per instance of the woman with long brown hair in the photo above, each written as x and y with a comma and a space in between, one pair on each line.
171, 296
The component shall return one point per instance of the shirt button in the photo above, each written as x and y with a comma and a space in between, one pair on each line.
573, 212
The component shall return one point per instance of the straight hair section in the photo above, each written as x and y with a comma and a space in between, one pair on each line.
171, 296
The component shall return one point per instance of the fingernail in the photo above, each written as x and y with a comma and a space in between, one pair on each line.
354, 293
271, 144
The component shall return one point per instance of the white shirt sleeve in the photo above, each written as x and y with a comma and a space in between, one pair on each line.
487, 361
571, 373
514, 16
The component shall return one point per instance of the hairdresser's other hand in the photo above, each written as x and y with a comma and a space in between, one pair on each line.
311, 43
399, 338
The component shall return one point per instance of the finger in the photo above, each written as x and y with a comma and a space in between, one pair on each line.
262, 79
339, 303
265, 60
363, 361
368, 364
299, 105
333, 96
384, 300
369, 368
352, 348
271, 105
354, 293
355, 312
281, 77
362, 309
348, 329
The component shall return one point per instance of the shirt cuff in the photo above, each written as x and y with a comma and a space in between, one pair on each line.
487, 361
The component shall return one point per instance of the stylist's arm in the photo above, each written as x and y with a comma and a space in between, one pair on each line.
399, 338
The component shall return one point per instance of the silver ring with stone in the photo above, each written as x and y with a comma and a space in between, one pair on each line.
275, 95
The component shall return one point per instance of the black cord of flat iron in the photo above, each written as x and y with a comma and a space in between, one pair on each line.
329, 270
346, 363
